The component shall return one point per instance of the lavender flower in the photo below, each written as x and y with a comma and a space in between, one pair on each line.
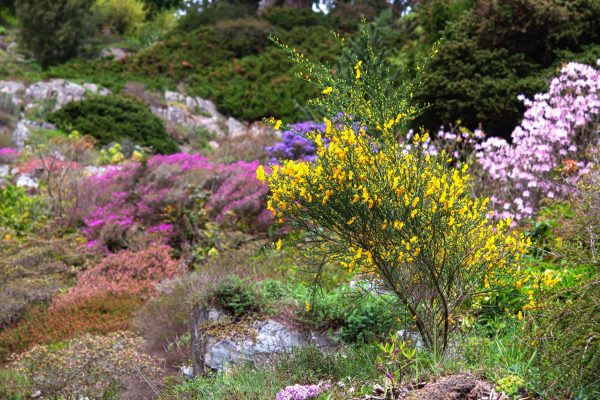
301, 392
294, 145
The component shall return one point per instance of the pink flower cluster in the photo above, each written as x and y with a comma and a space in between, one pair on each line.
123, 273
153, 197
549, 150
8, 155
301, 392
239, 197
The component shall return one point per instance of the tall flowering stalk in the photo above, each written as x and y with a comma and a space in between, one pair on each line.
402, 215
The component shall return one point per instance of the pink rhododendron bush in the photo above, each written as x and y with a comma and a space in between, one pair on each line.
169, 197
550, 149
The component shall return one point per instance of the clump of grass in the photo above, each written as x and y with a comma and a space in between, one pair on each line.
306, 365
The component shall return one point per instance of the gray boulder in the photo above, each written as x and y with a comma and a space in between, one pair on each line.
267, 338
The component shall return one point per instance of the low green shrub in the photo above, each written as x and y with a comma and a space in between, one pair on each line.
288, 18
120, 16
115, 119
564, 332
236, 296
211, 13
231, 63
245, 36
18, 211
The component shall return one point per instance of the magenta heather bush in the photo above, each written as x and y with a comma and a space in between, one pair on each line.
123, 273
549, 150
239, 198
8, 155
301, 392
154, 197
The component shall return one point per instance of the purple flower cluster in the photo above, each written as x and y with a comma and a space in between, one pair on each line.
301, 392
8, 155
184, 161
294, 145
152, 197
239, 198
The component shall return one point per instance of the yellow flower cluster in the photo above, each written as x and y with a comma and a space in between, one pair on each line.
392, 207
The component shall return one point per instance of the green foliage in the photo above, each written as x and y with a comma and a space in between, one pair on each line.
243, 37
287, 18
8, 5
257, 84
115, 119
365, 92
18, 211
120, 16
565, 334
306, 365
211, 13
154, 6
236, 296
261, 85
497, 51
10, 385
370, 320
503, 354
53, 31
155, 28
510, 384
351, 315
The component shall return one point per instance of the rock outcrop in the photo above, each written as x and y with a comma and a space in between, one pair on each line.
265, 339
188, 112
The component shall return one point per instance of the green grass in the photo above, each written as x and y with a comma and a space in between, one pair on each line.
304, 366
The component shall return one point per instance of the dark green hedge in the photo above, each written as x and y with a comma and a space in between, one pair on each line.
115, 119
500, 49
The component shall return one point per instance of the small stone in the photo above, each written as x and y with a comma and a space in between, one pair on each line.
27, 182
187, 371
378, 389
4, 171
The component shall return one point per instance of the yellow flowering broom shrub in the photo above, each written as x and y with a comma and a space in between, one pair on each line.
366, 94
406, 217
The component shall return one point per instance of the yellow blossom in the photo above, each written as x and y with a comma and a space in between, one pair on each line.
357, 69
260, 174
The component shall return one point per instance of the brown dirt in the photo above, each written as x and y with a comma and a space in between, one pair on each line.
452, 387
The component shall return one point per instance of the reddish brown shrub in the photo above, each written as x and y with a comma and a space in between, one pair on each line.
124, 273
100, 314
